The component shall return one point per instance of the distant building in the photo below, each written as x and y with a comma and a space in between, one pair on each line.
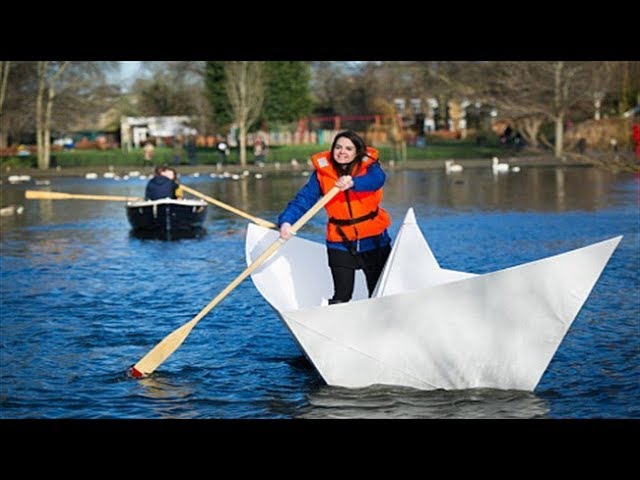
135, 131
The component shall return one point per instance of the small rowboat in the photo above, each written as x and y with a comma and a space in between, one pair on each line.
167, 219
427, 327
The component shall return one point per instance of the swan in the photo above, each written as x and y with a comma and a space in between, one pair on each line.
452, 167
499, 167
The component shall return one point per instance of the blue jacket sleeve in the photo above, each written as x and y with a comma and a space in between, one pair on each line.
306, 198
372, 181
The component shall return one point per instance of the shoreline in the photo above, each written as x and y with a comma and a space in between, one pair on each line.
206, 169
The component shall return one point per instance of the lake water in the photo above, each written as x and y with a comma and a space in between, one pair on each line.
82, 300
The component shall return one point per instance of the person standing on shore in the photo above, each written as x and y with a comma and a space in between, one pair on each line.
148, 151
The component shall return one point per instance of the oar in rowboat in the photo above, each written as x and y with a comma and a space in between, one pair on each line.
256, 220
44, 195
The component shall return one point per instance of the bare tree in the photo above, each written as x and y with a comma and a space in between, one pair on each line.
537, 91
80, 92
245, 88
600, 85
48, 74
4, 81
18, 109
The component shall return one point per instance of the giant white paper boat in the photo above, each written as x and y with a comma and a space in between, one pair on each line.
427, 327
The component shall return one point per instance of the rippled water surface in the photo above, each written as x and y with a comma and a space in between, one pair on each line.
82, 300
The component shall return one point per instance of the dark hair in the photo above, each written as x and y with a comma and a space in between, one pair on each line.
361, 152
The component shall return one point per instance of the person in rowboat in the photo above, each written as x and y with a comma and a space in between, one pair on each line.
164, 184
357, 236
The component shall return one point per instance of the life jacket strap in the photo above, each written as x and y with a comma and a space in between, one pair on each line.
352, 221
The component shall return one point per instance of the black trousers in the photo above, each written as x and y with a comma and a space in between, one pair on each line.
343, 267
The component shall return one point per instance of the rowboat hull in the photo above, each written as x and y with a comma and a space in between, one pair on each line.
428, 327
167, 219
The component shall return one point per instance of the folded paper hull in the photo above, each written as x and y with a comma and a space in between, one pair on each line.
167, 219
427, 327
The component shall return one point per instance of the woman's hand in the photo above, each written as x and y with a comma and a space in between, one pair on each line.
344, 183
285, 231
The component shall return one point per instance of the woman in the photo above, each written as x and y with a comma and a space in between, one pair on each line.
357, 235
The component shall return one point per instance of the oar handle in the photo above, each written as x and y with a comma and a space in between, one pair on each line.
313, 210
268, 252
256, 220
44, 195
171, 342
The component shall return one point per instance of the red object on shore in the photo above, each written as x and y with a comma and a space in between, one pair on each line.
635, 134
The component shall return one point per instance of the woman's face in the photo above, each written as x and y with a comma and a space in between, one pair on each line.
344, 151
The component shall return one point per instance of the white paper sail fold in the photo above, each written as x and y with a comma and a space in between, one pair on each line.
428, 327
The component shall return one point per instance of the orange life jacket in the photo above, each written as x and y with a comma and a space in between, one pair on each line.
352, 215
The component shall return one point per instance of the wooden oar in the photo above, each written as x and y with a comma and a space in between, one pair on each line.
171, 342
256, 220
44, 195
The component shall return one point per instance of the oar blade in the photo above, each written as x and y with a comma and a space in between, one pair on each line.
162, 351
44, 195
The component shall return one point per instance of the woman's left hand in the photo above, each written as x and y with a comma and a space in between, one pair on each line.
344, 183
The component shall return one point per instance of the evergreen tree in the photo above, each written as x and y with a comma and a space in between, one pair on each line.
215, 84
287, 95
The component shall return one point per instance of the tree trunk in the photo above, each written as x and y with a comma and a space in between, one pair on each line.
46, 129
558, 109
42, 67
623, 106
4, 80
242, 143
529, 128
559, 137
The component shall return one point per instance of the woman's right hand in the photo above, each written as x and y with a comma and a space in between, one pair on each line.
285, 231
344, 183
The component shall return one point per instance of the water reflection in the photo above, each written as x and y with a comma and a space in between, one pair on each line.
540, 189
197, 232
168, 399
156, 386
382, 401
531, 189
